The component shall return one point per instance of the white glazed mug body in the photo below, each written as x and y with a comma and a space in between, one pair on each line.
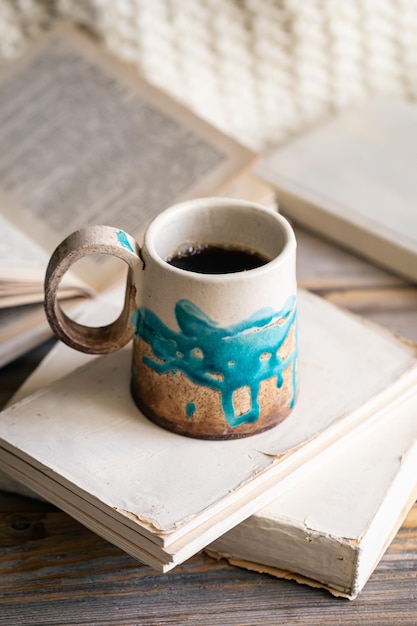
214, 355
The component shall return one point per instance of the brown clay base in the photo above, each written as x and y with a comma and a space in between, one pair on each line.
176, 428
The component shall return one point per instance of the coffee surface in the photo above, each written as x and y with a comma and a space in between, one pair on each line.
216, 259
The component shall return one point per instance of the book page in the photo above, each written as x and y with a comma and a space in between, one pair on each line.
20, 257
22, 270
19, 253
83, 140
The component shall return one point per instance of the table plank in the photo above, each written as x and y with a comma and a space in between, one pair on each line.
54, 571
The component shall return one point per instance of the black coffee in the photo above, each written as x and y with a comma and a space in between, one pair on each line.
216, 259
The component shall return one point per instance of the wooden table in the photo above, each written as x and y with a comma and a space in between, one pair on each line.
54, 571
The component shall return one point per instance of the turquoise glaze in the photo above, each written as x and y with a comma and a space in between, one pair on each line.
190, 409
123, 240
222, 358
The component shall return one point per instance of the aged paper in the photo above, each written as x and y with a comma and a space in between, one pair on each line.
83, 140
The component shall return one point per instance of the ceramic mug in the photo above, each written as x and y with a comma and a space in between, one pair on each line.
214, 355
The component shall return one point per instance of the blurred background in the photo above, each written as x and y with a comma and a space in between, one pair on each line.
260, 70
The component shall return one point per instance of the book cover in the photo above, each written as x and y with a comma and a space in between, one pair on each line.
352, 180
331, 528
82, 444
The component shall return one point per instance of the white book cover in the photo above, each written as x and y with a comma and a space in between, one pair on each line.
82, 444
331, 529
353, 180
332, 526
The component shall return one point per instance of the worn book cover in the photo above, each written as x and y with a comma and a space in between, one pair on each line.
352, 179
331, 528
82, 444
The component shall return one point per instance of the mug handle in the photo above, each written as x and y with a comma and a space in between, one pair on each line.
92, 240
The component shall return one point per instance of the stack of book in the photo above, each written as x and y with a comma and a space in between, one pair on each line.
319, 497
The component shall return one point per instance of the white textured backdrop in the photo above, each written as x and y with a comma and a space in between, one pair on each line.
261, 70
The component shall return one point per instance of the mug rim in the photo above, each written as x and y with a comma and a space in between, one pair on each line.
162, 218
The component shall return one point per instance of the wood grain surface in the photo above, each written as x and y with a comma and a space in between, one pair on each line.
54, 571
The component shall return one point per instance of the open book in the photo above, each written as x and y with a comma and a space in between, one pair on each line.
162, 497
352, 179
84, 140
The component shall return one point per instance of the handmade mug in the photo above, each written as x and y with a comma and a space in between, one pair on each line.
214, 354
